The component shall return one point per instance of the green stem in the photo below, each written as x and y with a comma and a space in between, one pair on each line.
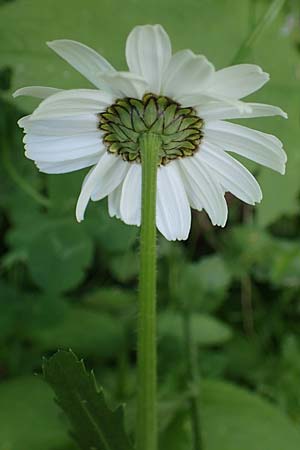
192, 379
255, 34
146, 434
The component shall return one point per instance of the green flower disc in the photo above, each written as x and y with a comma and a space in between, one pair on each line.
180, 128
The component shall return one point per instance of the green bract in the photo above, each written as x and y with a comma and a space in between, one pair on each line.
180, 128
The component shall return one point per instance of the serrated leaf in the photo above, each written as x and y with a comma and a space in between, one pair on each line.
94, 425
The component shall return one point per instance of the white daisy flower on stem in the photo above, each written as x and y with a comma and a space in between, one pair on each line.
180, 97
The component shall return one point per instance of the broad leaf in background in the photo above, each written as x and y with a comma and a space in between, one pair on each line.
30, 313
112, 299
206, 330
94, 424
203, 285
27, 404
234, 419
86, 332
61, 252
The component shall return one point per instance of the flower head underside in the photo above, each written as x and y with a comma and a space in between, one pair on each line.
180, 97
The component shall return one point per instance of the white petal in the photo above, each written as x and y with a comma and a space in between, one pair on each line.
113, 171
238, 81
233, 176
101, 181
36, 91
204, 189
148, 52
73, 102
220, 110
255, 145
60, 126
201, 101
114, 200
130, 202
67, 166
186, 74
84, 59
67, 142
65, 148
126, 84
173, 213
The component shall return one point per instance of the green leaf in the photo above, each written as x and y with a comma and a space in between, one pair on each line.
94, 424
284, 267
203, 285
29, 418
125, 267
24, 314
206, 330
84, 331
245, 246
59, 255
63, 191
235, 419
112, 299
176, 436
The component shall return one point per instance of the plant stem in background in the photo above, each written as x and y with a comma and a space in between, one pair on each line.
192, 379
192, 375
267, 18
246, 285
17, 178
255, 32
146, 432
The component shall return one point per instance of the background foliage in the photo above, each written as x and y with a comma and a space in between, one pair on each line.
65, 285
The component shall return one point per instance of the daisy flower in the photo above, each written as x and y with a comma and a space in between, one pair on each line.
183, 99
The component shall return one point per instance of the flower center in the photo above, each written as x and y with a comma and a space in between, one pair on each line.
180, 128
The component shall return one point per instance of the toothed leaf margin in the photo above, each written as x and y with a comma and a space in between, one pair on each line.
93, 424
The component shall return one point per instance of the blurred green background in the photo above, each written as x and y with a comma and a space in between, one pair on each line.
65, 285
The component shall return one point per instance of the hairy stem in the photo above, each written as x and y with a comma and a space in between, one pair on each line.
146, 433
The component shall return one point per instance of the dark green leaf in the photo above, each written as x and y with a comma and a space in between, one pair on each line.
234, 419
94, 424
59, 255
84, 331
29, 418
